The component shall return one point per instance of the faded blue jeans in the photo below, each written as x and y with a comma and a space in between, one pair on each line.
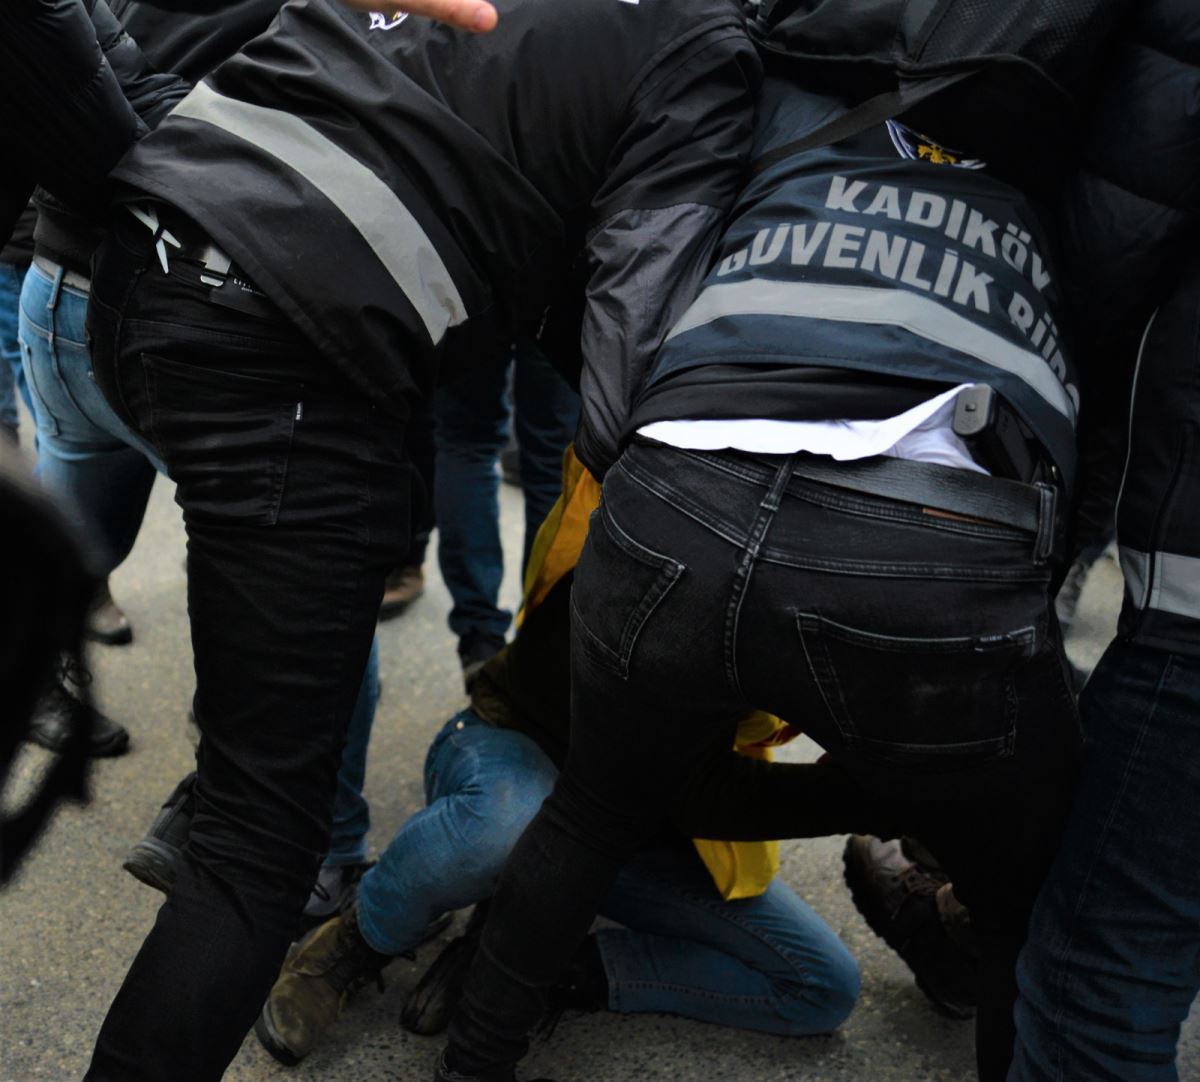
769, 963
88, 459
351, 812
1112, 963
12, 374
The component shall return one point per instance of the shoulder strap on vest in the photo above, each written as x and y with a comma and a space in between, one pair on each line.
865, 115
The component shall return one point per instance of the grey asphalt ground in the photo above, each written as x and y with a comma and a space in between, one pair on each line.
73, 920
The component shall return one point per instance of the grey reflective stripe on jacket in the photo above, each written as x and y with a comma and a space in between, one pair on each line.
384, 222
869, 305
1164, 581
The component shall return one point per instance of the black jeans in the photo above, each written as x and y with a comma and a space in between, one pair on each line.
294, 492
917, 647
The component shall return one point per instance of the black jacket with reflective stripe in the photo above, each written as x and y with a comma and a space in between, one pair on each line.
1158, 517
397, 186
1132, 225
856, 258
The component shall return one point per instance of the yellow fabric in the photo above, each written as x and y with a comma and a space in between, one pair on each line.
560, 538
739, 869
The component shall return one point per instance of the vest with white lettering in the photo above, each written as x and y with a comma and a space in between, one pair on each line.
856, 257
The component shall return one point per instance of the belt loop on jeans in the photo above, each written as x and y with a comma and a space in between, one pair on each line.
779, 483
1043, 544
52, 269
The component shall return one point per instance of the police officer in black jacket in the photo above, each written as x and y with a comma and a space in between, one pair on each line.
1110, 969
348, 203
807, 518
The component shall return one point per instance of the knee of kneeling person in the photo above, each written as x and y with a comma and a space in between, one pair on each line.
501, 815
817, 997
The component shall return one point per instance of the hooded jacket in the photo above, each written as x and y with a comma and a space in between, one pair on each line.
405, 192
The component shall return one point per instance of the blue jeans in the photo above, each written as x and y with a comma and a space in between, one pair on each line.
98, 470
12, 375
1112, 963
471, 427
768, 963
351, 812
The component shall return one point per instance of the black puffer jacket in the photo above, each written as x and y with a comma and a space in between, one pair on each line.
1134, 206
77, 92
1132, 223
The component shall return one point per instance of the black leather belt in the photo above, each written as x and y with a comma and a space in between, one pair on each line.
1033, 507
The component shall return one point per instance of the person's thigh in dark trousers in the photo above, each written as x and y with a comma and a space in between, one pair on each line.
916, 647
294, 492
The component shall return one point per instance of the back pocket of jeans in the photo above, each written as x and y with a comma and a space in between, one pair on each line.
618, 584
225, 438
928, 702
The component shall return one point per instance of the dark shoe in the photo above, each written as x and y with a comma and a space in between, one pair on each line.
54, 718
474, 652
333, 893
106, 623
430, 1004
442, 1073
317, 982
155, 859
898, 900
400, 589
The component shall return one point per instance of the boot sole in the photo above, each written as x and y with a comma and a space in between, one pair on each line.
153, 863
950, 1008
264, 1030
389, 610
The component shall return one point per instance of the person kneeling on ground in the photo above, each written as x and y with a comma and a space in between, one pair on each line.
725, 942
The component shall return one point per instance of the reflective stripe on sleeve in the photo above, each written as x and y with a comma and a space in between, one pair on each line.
1163, 581
869, 304
384, 222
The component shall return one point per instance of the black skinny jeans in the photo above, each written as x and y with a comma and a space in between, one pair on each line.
916, 647
295, 494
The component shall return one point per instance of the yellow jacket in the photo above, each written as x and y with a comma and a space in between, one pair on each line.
739, 869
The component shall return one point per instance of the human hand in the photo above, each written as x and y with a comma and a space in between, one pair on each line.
477, 15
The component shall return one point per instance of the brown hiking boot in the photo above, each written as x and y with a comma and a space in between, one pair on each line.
898, 899
314, 986
400, 589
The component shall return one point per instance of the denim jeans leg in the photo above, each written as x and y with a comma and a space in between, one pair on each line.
1112, 963
768, 964
546, 414
351, 809
471, 422
483, 785
12, 375
100, 472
